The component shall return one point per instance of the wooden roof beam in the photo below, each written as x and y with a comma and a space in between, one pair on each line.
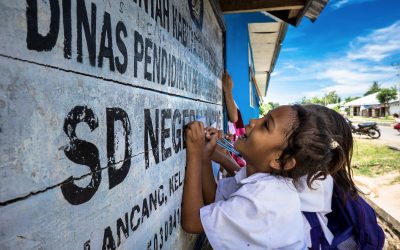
283, 15
237, 6
293, 14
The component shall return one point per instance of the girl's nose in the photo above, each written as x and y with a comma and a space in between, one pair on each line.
251, 124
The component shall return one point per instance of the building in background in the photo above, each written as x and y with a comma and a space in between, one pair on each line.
369, 106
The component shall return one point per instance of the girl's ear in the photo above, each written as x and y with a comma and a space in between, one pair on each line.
275, 164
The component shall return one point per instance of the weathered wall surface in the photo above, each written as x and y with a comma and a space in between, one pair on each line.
93, 99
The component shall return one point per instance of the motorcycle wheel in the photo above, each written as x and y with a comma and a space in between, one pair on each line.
374, 133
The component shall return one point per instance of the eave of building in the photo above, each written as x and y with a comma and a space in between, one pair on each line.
265, 43
266, 38
289, 11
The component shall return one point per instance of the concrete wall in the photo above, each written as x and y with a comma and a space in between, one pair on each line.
394, 107
93, 99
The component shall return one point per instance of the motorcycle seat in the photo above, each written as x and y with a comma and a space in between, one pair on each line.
366, 124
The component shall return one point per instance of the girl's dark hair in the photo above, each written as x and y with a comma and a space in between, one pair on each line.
311, 144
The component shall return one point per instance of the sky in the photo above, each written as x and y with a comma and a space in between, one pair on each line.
352, 44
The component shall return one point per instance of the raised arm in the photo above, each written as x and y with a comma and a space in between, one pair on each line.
227, 86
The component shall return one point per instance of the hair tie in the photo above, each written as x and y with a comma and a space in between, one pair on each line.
334, 144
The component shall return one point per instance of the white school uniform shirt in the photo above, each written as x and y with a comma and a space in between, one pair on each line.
263, 211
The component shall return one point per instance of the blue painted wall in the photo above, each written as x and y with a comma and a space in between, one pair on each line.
237, 58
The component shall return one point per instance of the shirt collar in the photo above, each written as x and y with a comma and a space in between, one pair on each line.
317, 199
241, 176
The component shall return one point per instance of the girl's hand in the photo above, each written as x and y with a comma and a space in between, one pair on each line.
212, 135
195, 139
230, 137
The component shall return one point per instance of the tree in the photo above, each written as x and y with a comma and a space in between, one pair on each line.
303, 100
331, 97
267, 106
375, 87
316, 100
386, 95
312, 100
349, 99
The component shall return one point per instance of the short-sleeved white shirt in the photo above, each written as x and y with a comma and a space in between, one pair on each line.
261, 211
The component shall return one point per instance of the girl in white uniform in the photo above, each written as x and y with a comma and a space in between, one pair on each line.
294, 155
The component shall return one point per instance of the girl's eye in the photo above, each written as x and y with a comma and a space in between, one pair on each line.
266, 123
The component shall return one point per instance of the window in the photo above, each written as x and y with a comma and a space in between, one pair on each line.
252, 88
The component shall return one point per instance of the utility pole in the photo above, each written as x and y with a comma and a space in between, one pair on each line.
398, 90
397, 66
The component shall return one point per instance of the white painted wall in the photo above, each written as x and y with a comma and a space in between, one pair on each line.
394, 107
74, 168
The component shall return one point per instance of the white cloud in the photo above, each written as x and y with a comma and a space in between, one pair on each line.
289, 49
353, 73
340, 3
343, 90
377, 45
275, 73
345, 73
346, 77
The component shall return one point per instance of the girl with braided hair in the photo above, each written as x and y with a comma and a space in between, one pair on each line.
294, 155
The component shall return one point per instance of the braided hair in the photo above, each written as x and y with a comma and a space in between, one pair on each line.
321, 143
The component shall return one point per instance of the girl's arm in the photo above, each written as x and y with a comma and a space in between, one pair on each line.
227, 162
192, 199
208, 182
227, 86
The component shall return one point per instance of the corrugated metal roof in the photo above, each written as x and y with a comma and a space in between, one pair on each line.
366, 100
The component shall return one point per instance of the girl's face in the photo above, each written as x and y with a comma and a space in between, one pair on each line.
265, 139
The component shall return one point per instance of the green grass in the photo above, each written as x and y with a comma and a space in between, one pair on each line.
372, 159
371, 119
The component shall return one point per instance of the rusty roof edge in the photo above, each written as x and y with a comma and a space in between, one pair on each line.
315, 8
312, 10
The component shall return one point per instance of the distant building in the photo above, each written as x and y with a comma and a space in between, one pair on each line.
369, 106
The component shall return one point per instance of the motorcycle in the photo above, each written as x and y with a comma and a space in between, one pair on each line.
366, 128
397, 127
